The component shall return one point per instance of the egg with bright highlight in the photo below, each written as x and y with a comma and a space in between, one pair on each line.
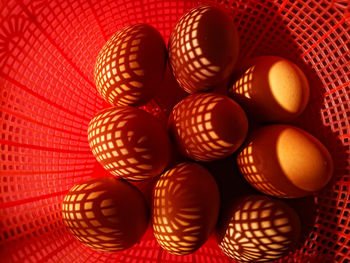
208, 126
129, 142
185, 208
259, 229
203, 49
130, 66
285, 161
106, 214
271, 89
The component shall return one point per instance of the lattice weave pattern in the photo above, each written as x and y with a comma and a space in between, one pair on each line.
48, 51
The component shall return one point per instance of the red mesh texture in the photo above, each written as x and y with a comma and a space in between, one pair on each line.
47, 55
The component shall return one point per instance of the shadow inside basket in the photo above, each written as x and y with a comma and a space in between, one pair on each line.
264, 29
323, 223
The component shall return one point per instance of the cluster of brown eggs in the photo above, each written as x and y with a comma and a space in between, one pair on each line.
279, 160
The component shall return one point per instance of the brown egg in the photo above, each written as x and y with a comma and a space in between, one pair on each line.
285, 161
185, 208
105, 214
259, 229
272, 89
130, 66
208, 126
129, 142
203, 49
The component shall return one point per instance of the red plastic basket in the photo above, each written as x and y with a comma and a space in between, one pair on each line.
47, 55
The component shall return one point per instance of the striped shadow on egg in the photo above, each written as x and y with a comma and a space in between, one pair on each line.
129, 143
185, 208
130, 66
258, 229
203, 49
105, 214
208, 126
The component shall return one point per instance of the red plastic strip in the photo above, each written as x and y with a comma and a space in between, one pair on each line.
337, 88
268, 27
57, 250
26, 118
53, 43
32, 199
37, 147
331, 30
97, 20
26, 89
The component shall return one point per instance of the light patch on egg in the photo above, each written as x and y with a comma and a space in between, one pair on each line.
286, 86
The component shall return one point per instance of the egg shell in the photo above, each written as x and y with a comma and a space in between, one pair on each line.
130, 143
208, 126
130, 66
105, 214
271, 89
203, 49
285, 161
185, 208
259, 229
